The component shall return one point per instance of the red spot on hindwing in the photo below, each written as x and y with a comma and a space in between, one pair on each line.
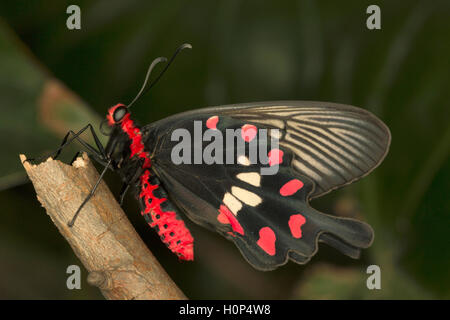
227, 217
267, 240
291, 187
222, 218
211, 123
248, 132
296, 221
275, 157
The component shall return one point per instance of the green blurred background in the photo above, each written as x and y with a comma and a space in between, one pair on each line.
243, 51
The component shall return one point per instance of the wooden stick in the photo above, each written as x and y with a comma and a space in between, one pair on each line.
103, 239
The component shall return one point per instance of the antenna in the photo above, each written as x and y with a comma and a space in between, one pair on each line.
182, 47
152, 65
149, 71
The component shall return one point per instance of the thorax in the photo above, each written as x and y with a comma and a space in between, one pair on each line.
126, 148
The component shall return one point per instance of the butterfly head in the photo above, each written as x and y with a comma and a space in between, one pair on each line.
117, 114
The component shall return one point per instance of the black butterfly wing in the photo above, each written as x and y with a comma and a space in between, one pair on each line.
333, 144
248, 208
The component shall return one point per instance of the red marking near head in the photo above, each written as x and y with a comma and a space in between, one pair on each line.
172, 230
267, 240
227, 217
296, 221
291, 187
248, 132
275, 157
134, 134
110, 115
211, 123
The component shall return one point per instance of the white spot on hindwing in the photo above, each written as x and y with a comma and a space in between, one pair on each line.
246, 196
253, 178
232, 203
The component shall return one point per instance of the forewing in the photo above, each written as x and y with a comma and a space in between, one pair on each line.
332, 144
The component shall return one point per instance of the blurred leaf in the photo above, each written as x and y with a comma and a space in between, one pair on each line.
331, 282
37, 110
328, 282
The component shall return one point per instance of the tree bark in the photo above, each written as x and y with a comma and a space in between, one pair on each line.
118, 261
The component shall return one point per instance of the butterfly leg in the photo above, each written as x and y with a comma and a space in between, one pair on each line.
123, 192
77, 154
99, 155
90, 195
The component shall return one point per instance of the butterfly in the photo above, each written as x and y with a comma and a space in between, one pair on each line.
317, 147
